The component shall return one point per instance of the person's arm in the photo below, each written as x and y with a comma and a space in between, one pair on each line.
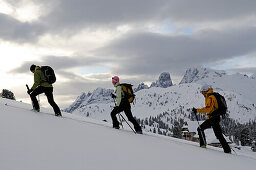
118, 95
36, 80
209, 108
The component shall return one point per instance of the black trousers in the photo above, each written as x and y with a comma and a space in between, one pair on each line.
215, 124
126, 107
49, 94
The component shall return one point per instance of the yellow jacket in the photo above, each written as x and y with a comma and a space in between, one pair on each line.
211, 104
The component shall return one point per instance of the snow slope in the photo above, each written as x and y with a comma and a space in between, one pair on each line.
239, 91
41, 141
220, 80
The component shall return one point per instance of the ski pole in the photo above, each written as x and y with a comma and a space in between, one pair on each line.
27, 87
127, 123
38, 97
200, 129
120, 120
124, 120
30, 97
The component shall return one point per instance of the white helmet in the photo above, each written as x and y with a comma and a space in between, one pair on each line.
205, 87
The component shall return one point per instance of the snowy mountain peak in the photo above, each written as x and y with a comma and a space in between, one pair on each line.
163, 81
253, 76
140, 87
77, 102
195, 74
100, 95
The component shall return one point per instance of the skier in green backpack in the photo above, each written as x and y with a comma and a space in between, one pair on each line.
122, 104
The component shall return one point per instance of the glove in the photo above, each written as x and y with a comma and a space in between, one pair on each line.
29, 91
194, 110
116, 108
113, 96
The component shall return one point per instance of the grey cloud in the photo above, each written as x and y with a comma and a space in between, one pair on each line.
145, 55
13, 30
251, 70
69, 17
69, 75
208, 10
62, 62
150, 53
76, 87
100, 76
101, 12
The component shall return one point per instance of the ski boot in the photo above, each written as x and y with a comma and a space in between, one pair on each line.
203, 146
58, 114
35, 110
139, 132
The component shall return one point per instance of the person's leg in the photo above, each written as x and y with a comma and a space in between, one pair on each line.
33, 95
128, 113
205, 125
218, 133
49, 94
113, 114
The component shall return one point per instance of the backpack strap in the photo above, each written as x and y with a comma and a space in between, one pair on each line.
215, 113
122, 92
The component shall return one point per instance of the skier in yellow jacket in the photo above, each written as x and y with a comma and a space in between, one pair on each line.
213, 121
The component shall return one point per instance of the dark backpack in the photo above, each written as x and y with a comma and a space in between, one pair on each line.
222, 105
49, 74
128, 92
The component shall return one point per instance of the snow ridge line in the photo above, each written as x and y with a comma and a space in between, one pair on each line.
79, 120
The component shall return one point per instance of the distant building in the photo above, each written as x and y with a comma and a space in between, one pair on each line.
189, 132
186, 134
254, 146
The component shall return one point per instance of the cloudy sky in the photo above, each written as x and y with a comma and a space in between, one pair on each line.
89, 41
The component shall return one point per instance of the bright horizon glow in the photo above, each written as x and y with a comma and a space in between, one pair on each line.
26, 12
237, 62
5, 8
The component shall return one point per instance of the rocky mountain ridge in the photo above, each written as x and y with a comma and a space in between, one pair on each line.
196, 74
154, 101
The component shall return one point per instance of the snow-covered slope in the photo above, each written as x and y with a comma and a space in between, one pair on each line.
187, 96
140, 87
237, 83
174, 101
196, 74
99, 95
40, 141
253, 76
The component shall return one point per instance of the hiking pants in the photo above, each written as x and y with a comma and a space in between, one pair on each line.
126, 107
214, 123
49, 94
